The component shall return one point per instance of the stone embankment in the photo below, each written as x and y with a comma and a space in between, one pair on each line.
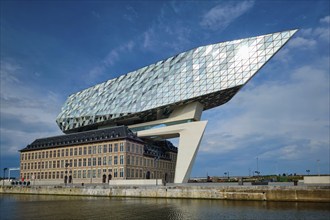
258, 193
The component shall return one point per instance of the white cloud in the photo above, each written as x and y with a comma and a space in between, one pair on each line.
220, 16
326, 20
26, 111
302, 43
284, 120
109, 60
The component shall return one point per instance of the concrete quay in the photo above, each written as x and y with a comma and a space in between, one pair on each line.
256, 193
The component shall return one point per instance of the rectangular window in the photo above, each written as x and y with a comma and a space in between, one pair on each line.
84, 162
71, 151
132, 172
46, 154
43, 155
84, 173
32, 156
94, 149
133, 148
115, 172
79, 173
116, 148
89, 150
140, 173
121, 147
115, 160
89, 162
133, 160
121, 172
121, 161
110, 148
128, 160
104, 160
80, 151
62, 174
128, 147
105, 148
99, 161
75, 151
79, 162
89, 173
99, 173
128, 173
110, 160
99, 149
66, 152
85, 150
94, 161
50, 154
94, 173
75, 163
75, 174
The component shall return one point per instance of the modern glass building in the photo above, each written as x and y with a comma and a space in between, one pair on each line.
210, 75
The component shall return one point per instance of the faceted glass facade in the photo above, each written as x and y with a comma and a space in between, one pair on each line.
210, 74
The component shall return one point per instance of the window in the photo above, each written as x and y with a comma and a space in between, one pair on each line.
84, 162
79, 163
115, 172
121, 147
94, 173
132, 172
75, 151
128, 160
110, 160
50, 154
71, 151
89, 162
121, 159
80, 151
94, 161
105, 147
85, 150
115, 160
84, 173
128, 147
121, 172
58, 153
75, 174
62, 153
137, 161
99, 161
132, 160
99, 173
116, 148
79, 173
43, 155
110, 148
32, 156
133, 148
104, 160
128, 173
94, 149
99, 149
89, 150
46, 154
75, 163
141, 173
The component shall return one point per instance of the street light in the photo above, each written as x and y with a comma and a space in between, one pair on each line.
227, 173
308, 171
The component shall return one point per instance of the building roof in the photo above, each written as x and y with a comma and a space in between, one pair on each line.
102, 135
210, 74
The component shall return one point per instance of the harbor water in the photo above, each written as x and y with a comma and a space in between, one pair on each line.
14, 206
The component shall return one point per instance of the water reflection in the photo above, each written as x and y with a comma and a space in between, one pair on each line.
75, 207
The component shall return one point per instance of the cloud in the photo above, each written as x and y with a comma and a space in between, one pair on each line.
109, 60
27, 112
326, 20
220, 16
131, 14
302, 43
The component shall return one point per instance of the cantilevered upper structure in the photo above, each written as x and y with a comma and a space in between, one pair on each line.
172, 92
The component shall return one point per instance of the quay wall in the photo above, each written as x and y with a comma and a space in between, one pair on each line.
257, 193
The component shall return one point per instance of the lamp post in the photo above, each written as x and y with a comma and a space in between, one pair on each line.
307, 171
227, 173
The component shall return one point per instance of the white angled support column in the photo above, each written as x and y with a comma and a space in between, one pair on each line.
190, 137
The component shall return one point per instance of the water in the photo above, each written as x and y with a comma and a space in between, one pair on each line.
75, 207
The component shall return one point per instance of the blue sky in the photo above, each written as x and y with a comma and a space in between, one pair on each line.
51, 49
